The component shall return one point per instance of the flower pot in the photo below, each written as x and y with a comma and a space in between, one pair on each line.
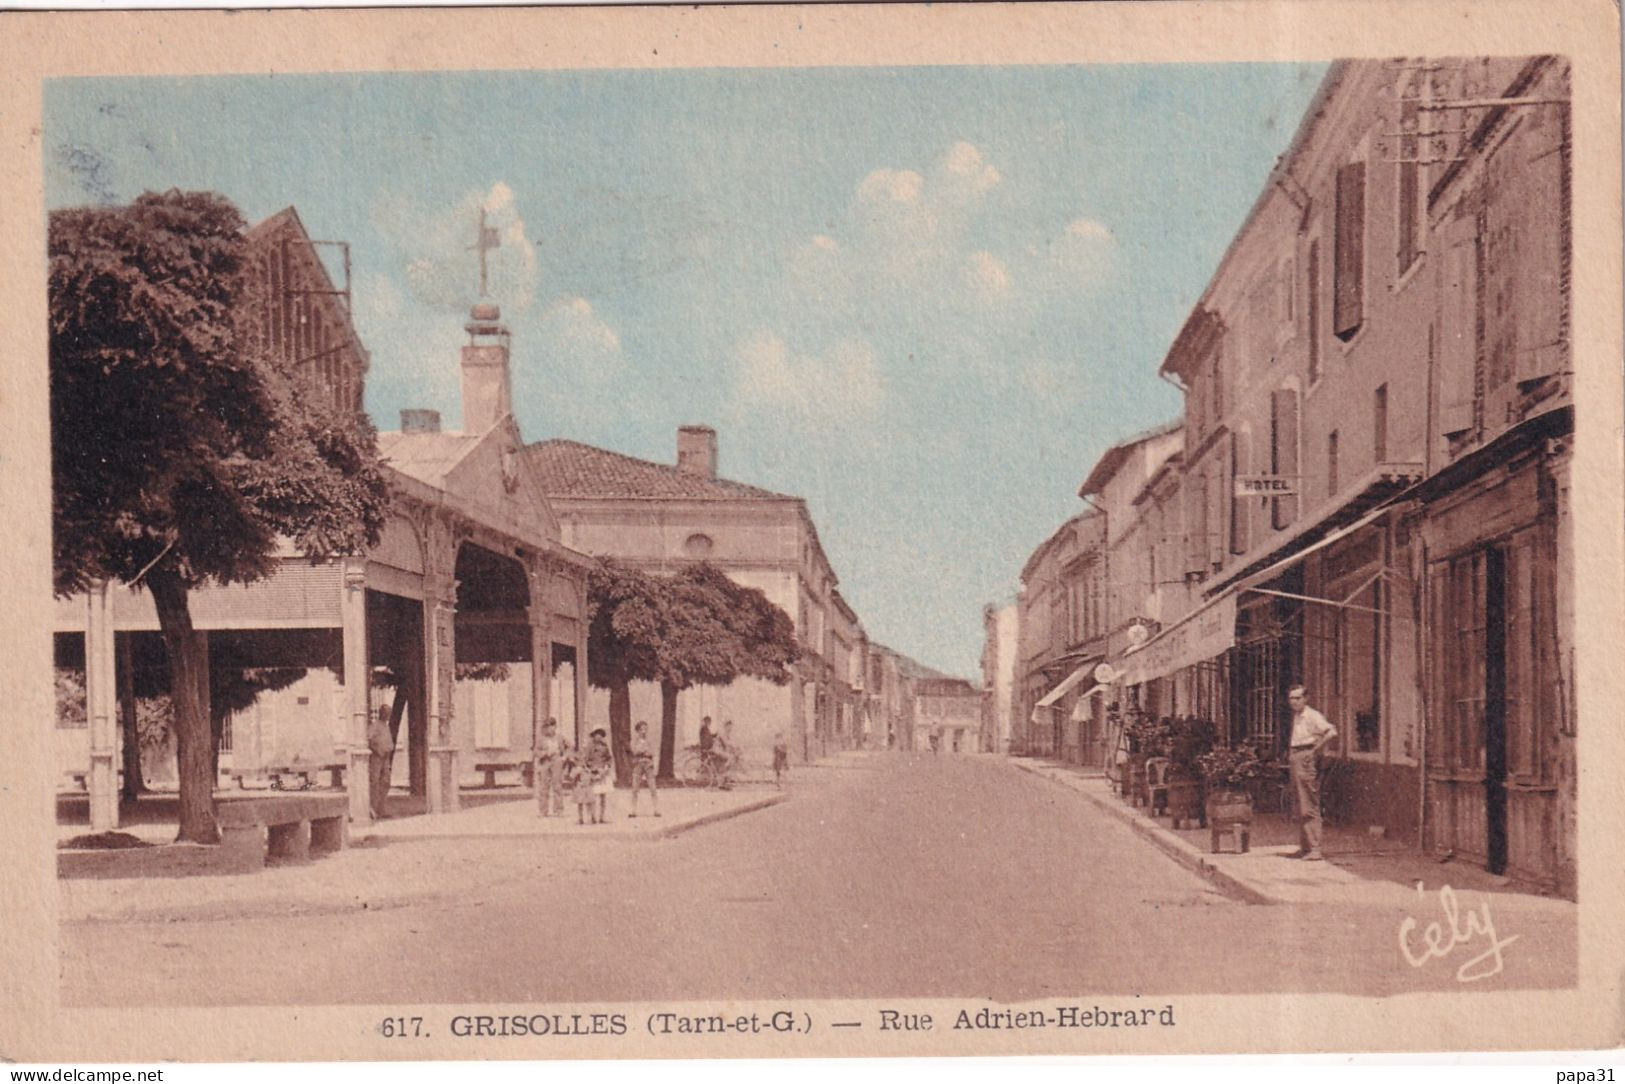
1186, 802
1230, 810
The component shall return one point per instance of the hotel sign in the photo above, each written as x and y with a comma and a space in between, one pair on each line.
1266, 485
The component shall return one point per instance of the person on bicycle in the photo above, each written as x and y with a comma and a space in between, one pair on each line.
727, 755
708, 750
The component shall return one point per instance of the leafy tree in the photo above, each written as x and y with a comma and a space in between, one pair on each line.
180, 452
697, 627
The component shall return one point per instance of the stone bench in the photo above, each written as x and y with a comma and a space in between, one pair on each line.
293, 778
525, 768
286, 828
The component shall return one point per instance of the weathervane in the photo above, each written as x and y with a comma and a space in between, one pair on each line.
490, 237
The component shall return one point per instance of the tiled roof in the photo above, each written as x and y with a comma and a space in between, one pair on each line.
572, 469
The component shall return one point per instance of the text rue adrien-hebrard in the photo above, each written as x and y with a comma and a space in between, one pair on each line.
781, 1022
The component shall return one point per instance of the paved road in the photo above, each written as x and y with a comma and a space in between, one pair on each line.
896, 876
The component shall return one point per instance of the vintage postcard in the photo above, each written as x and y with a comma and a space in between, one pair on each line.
805, 531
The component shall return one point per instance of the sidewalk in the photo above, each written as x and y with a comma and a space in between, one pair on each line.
1359, 869
681, 809
497, 837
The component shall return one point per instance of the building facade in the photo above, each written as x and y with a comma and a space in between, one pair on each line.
658, 517
469, 572
1372, 487
1001, 638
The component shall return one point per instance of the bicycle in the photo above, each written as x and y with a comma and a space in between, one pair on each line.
698, 769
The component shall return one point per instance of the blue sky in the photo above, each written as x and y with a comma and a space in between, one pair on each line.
924, 299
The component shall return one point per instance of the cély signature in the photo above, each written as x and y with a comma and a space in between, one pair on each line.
1438, 941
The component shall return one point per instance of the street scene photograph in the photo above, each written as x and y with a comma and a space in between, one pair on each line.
1080, 536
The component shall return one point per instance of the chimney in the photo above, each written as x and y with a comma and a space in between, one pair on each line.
487, 393
697, 450
420, 421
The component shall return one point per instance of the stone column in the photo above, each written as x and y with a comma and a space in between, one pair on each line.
440, 664
101, 699
541, 667
355, 699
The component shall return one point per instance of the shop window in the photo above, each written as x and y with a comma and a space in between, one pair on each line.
1361, 680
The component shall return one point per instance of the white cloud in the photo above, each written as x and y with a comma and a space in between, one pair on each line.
963, 160
841, 384
570, 325
989, 277
436, 250
894, 185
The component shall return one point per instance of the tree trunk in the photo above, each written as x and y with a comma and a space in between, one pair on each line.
668, 730
189, 693
134, 784
620, 730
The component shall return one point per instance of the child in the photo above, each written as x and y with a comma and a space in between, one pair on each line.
781, 759
643, 768
599, 763
578, 780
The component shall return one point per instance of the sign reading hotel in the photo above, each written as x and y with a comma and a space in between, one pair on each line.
1266, 485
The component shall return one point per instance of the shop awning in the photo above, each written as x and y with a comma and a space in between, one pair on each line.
1197, 637
1067, 684
1382, 487
1080, 709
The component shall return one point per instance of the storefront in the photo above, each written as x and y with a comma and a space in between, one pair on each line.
1500, 749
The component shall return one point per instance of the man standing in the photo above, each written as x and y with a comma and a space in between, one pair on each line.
1310, 734
550, 750
643, 768
381, 744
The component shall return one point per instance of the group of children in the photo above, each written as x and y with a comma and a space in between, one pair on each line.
588, 774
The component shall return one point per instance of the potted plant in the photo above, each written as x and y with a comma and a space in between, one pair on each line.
1191, 739
1230, 775
1147, 738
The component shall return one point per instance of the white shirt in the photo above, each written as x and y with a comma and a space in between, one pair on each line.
1309, 726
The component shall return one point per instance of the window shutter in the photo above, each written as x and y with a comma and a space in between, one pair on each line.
1239, 517
1456, 343
1284, 435
1196, 543
1348, 300
1311, 305
1543, 252
1215, 511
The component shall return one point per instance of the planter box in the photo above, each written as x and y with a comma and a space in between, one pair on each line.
1187, 802
1230, 811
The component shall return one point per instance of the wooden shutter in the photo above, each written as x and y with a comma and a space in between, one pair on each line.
1456, 342
1196, 544
1215, 513
1348, 299
1284, 452
1543, 221
1240, 537
1311, 307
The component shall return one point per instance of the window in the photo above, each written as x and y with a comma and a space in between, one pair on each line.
1409, 208
1331, 464
1312, 310
1348, 271
1215, 392
1239, 465
1283, 453
1379, 424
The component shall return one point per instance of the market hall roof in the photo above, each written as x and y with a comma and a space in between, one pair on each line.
571, 469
